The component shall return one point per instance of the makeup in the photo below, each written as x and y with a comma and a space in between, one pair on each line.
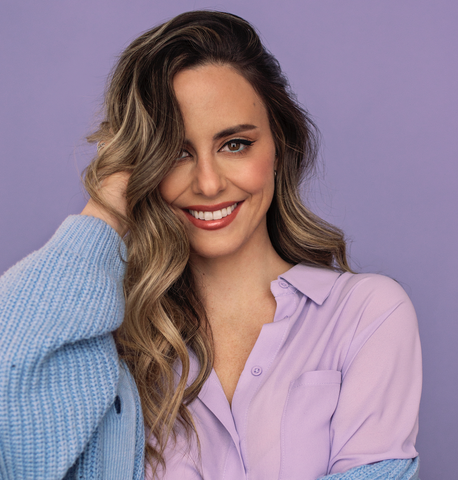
212, 217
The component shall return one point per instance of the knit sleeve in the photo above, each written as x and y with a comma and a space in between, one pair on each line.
59, 368
388, 469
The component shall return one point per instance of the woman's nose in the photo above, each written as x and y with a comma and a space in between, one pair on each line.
209, 179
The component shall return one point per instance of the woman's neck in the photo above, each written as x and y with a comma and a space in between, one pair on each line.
247, 272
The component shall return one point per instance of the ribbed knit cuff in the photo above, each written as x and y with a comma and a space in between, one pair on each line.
93, 239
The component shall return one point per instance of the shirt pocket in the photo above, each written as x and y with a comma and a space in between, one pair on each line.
305, 428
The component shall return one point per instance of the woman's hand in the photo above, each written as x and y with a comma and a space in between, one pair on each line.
113, 193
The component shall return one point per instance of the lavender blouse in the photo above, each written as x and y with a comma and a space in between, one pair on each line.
332, 383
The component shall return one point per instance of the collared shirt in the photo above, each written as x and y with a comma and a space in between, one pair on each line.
332, 383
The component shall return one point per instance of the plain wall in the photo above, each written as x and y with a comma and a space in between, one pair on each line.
380, 78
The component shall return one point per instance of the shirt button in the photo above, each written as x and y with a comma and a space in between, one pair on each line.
256, 371
283, 284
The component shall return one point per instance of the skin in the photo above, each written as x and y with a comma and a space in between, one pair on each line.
212, 99
233, 265
113, 193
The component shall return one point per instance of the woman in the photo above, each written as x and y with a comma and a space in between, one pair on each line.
255, 351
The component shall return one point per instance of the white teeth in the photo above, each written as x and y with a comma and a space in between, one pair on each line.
216, 215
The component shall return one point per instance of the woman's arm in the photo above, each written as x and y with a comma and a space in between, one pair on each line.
376, 418
388, 469
59, 367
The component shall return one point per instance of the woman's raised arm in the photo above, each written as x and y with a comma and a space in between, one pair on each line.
59, 368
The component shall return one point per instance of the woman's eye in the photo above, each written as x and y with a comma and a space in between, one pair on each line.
183, 155
236, 145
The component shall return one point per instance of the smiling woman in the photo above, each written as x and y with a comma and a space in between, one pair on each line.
243, 343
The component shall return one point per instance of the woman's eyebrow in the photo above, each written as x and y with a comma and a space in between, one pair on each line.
233, 130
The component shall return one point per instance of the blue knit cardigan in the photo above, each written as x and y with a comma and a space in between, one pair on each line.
68, 407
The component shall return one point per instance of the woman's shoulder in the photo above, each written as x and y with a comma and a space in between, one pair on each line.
377, 287
353, 300
373, 299
325, 286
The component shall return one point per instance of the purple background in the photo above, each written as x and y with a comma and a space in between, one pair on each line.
381, 80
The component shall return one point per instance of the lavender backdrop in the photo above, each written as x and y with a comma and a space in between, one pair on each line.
380, 78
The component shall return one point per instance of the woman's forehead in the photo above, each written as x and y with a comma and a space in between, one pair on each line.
219, 96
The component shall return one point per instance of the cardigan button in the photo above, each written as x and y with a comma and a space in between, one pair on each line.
256, 370
117, 404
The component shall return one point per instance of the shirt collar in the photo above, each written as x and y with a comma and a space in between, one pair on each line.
314, 282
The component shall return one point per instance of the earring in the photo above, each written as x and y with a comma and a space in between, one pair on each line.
275, 173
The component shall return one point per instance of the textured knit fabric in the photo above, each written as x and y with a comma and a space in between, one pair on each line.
333, 383
68, 408
386, 470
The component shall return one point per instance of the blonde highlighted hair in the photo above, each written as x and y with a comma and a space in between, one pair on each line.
143, 134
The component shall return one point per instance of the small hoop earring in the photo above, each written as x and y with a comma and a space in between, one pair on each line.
275, 173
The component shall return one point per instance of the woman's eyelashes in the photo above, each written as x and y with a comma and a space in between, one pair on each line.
234, 146
237, 145
183, 155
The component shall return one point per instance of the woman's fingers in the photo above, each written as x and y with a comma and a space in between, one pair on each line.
113, 193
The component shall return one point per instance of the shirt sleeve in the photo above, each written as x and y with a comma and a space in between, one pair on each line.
59, 367
377, 413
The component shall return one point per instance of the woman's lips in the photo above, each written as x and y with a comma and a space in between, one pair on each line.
221, 210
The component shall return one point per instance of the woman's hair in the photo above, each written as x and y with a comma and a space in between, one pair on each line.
143, 134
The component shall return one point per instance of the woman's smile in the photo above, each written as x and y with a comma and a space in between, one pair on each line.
213, 217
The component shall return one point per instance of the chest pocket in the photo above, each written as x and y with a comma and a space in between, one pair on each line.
305, 428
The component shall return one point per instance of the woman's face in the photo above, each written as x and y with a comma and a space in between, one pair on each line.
223, 184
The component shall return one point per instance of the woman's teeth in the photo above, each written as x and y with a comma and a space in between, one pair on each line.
216, 215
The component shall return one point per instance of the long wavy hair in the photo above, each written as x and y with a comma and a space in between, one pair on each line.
143, 134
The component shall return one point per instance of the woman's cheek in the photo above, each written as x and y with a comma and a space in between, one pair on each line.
173, 185
258, 176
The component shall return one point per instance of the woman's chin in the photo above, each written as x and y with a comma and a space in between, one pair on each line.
234, 241
217, 248
211, 252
